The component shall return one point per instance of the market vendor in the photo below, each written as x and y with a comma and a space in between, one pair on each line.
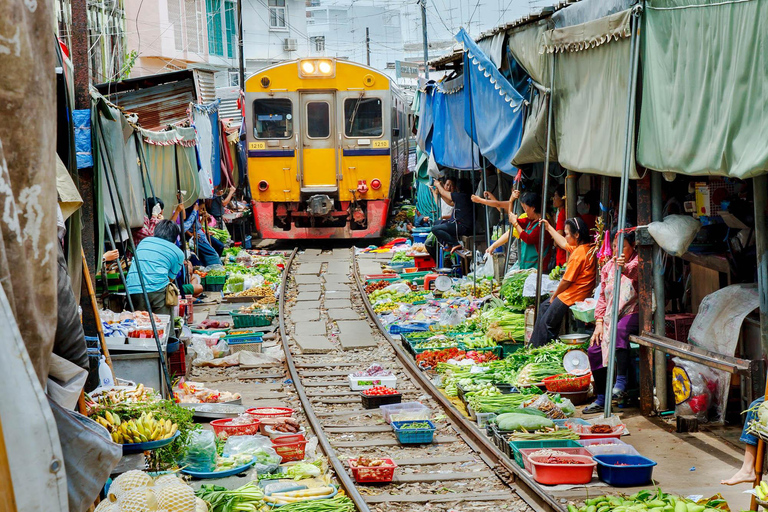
627, 324
208, 250
195, 287
449, 232
446, 209
160, 260
746, 474
577, 282
529, 229
558, 202
490, 200
219, 202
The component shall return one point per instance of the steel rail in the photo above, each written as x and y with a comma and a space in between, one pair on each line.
325, 445
534, 498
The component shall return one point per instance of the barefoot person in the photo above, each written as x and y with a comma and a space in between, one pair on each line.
746, 474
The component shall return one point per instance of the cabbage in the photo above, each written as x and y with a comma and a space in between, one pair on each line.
305, 470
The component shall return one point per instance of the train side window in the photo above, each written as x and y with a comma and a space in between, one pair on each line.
273, 118
318, 120
362, 117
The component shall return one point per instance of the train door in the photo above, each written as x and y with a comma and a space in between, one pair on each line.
318, 142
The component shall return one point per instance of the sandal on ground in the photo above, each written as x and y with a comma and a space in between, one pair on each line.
593, 408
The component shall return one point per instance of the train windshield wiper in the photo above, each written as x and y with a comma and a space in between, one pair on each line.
354, 112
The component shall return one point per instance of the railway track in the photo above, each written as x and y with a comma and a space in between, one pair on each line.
328, 330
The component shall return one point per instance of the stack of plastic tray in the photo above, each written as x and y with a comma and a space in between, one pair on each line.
608, 446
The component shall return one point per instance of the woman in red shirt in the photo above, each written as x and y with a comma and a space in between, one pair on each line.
529, 230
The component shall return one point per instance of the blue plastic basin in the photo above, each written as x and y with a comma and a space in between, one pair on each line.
420, 238
638, 471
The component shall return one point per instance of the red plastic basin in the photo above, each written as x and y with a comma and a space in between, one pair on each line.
556, 474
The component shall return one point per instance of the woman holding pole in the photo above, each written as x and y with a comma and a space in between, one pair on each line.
577, 282
628, 322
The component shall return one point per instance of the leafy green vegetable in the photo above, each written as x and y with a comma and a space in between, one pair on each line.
512, 291
244, 499
305, 470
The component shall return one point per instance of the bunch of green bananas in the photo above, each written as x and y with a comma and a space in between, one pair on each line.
139, 430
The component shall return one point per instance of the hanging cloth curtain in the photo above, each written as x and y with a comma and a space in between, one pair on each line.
451, 146
592, 69
426, 118
205, 120
708, 118
163, 151
493, 112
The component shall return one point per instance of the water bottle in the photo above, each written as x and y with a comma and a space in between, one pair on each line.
105, 374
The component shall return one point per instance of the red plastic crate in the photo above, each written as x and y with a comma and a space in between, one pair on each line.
290, 449
526, 452
223, 429
177, 362
677, 326
424, 262
373, 474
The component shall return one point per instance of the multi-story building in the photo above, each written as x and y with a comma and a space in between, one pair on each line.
178, 34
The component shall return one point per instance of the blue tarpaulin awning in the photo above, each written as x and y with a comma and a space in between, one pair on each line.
494, 115
451, 144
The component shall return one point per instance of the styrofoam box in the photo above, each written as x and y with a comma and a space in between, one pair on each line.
608, 446
363, 383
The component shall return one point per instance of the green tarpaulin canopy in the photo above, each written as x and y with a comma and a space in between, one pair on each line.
705, 87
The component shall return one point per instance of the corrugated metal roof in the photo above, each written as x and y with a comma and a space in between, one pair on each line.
206, 86
158, 106
158, 100
228, 107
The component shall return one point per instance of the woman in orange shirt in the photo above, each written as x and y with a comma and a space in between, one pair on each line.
577, 282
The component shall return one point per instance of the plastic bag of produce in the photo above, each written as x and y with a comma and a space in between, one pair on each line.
675, 233
398, 288
699, 390
221, 349
200, 453
202, 351
519, 421
260, 447
547, 406
484, 263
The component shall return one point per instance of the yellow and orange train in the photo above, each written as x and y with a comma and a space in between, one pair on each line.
327, 143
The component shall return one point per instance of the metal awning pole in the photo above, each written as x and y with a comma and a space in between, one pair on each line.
634, 51
487, 216
544, 186
472, 156
760, 192
119, 265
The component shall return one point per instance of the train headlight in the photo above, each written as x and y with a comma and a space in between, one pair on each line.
375, 184
325, 67
263, 186
317, 68
308, 67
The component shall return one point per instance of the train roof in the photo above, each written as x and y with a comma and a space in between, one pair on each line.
347, 75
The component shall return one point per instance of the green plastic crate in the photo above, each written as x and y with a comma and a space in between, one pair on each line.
214, 279
258, 319
509, 347
515, 447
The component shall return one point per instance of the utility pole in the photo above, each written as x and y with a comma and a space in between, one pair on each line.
423, 4
240, 44
82, 82
368, 46
81, 65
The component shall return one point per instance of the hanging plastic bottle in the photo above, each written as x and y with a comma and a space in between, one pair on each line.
105, 374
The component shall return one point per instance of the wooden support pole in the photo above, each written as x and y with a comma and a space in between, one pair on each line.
95, 306
645, 295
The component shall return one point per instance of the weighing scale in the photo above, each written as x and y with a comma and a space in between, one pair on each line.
576, 362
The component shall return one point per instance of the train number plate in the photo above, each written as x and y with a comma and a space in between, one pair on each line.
381, 143
257, 145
